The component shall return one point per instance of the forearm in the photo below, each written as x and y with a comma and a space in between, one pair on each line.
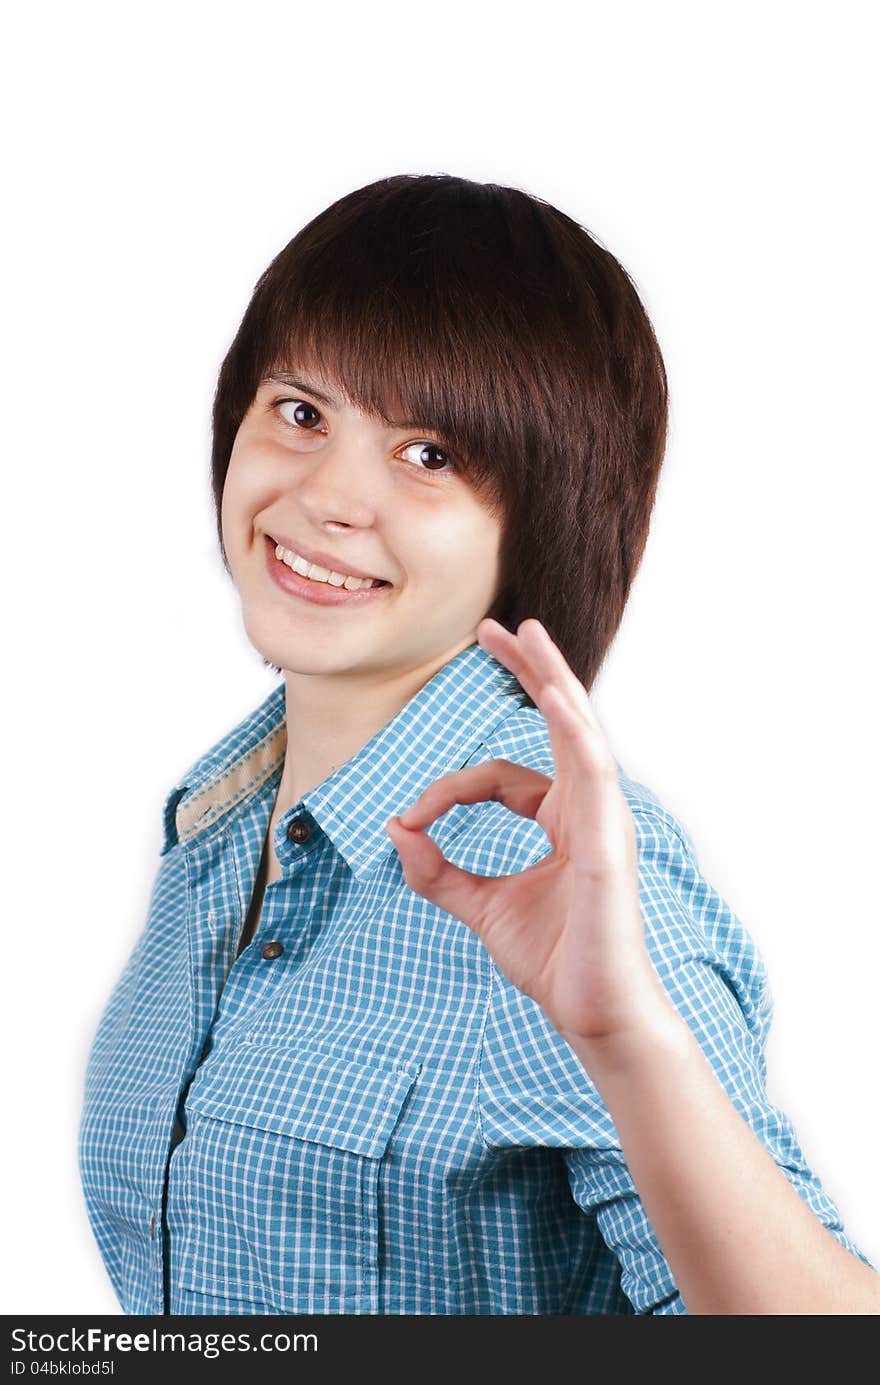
738, 1237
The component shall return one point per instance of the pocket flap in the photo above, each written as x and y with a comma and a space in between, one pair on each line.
328, 1098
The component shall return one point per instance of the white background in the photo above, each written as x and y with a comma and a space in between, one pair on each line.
157, 158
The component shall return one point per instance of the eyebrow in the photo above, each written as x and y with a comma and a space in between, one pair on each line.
281, 377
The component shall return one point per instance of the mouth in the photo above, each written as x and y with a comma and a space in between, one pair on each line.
316, 591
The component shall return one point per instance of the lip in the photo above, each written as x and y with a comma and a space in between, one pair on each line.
317, 593
327, 560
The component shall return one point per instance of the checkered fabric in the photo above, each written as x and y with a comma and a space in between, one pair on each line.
370, 1118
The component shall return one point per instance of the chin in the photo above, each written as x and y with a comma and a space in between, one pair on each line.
295, 656
300, 652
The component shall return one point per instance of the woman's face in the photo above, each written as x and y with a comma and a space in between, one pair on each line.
329, 481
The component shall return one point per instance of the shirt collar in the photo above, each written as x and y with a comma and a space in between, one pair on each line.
435, 733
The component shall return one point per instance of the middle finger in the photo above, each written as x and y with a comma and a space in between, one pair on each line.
538, 662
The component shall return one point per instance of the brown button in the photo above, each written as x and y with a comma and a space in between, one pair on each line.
271, 950
152, 1228
299, 830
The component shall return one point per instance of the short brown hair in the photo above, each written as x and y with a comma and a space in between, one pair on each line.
505, 327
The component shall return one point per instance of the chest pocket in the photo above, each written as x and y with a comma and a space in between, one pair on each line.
277, 1184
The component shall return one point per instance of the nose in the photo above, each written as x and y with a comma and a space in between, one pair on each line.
342, 485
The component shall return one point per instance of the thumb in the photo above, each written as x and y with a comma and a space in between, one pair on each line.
426, 870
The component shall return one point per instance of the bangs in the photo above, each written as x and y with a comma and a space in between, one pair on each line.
431, 309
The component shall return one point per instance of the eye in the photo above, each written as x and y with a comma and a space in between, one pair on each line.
431, 463
299, 406
431, 456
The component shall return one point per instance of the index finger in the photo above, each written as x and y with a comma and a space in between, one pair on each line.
519, 788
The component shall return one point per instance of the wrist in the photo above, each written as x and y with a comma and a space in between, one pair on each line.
656, 1035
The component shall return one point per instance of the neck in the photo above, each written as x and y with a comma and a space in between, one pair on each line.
330, 717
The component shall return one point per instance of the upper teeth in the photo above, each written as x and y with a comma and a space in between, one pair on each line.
322, 574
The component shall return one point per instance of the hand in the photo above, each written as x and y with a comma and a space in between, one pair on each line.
568, 930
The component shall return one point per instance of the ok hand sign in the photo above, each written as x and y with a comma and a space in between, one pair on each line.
566, 931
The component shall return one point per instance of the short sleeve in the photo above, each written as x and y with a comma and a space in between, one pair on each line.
534, 1088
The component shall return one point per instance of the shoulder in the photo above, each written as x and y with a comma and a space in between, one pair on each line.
690, 928
522, 738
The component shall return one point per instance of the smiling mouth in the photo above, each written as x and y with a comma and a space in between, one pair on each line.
315, 572
321, 591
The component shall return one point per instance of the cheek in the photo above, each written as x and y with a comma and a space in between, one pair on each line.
231, 522
459, 558
243, 497
228, 502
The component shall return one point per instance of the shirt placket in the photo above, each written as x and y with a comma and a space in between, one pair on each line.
287, 916
228, 990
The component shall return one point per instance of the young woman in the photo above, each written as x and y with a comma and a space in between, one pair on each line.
437, 439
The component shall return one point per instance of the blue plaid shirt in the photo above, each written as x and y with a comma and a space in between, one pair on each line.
374, 1120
